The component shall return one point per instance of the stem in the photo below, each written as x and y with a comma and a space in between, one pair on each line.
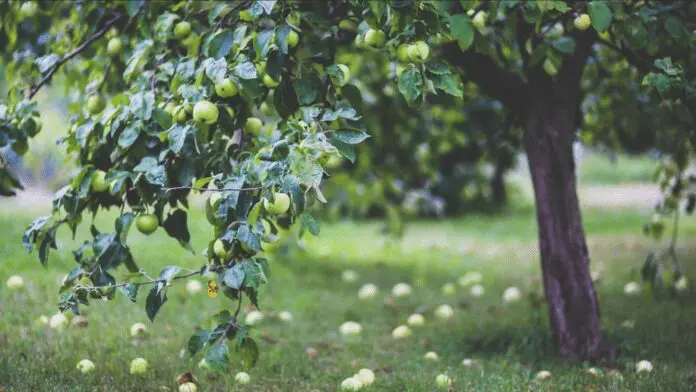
239, 307
74, 53
178, 188
143, 283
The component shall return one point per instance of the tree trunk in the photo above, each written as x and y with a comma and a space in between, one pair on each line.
572, 302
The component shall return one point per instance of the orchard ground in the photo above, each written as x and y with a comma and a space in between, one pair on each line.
510, 341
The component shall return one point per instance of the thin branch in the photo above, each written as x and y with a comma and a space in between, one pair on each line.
193, 188
74, 53
143, 283
239, 307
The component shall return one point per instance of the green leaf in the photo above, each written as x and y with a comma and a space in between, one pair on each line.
247, 354
676, 30
462, 30
140, 55
177, 137
349, 136
564, 45
248, 239
162, 118
154, 301
311, 224
308, 89
234, 277
291, 185
128, 136
449, 83
217, 357
156, 176
666, 65
45, 63
216, 70
410, 83
130, 291
197, 341
168, 273
246, 70
176, 226
253, 274
347, 113
32, 232
345, 149
221, 44
307, 170
145, 164
600, 15
281, 36
262, 43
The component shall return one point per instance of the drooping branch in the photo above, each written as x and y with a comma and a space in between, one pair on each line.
84, 45
493, 80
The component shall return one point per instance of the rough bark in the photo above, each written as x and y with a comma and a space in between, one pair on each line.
548, 110
570, 295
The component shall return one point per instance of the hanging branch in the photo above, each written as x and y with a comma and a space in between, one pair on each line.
74, 53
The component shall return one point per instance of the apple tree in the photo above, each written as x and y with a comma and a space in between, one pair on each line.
168, 99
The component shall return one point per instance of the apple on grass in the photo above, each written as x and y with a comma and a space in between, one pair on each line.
188, 387
365, 376
85, 366
242, 378
15, 282
138, 366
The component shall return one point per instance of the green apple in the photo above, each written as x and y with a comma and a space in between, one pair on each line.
375, 38
556, 31
345, 76
293, 38
253, 126
582, 22
219, 249
269, 82
294, 18
212, 206
279, 206
31, 125
549, 68
99, 183
113, 48
402, 53
246, 16
188, 387
266, 109
419, 51
226, 89
182, 30
29, 9
480, 19
146, 223
179, 114
95, 104
205, 112
138, 366
169, 108
347, 25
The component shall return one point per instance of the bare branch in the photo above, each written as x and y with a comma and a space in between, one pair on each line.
142, 283
193, 188
74, 53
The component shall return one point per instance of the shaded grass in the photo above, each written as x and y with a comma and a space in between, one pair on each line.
511, 341
597, 168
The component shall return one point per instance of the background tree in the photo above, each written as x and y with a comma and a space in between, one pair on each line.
187, 82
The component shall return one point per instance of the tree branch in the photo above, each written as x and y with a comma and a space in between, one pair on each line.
493, 80
178, 188
74, 53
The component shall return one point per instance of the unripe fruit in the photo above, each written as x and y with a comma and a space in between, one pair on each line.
416, 320
543, 375
366, 376
444, 312
345, 71
549, 68
350, 328
556, 31
226, 89
219, 249
443, 381
113, 48
401, 332
351, 384
138, 330
347, 25
253, 126
293, 38
58, 321
169, 108
180, 115
188, 387
242, 378
99, 183
29, 9
182, 30
95, 104
146, 223
205, 112
138, 366
368, 290
582, 22
85, 366
402, 53
15, 282
269, 82
375, 38
419, 51
246, 16
280, 205
294, 18
512, 294
480, 19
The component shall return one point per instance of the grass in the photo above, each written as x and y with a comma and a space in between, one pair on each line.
510, 341
598, 169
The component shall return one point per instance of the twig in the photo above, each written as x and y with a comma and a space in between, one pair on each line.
74, 53
239, 307
143, 283
193, 188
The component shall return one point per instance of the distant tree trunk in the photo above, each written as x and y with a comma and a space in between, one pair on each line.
570, 295
498, 191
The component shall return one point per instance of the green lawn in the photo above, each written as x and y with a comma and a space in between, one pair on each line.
510, 340
597, 168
